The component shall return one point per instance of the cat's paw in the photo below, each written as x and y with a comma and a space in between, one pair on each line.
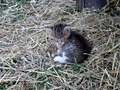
59, 59
54, 55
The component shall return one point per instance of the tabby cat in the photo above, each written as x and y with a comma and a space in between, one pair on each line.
72, 47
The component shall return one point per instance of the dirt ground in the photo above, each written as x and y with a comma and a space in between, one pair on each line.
25, 62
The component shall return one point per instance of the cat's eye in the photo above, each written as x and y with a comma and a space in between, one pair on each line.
55, 39
63, 39
51, 39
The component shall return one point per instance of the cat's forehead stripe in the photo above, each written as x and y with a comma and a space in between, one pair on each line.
58, 30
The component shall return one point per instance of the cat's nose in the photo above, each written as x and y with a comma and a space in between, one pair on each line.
59, 42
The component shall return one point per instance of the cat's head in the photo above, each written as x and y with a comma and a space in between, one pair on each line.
59, 33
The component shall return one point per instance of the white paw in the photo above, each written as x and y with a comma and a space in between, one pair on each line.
60, 59
53, 55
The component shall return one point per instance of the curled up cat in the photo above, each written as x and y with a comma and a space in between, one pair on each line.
72, 46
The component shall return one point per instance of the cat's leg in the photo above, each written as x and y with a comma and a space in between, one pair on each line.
56, 54
61, 59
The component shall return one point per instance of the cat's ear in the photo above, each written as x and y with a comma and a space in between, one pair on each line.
67, 31
49, 31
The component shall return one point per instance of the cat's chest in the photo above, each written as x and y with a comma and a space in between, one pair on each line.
70, 44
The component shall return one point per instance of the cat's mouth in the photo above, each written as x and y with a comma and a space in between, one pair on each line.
59, 45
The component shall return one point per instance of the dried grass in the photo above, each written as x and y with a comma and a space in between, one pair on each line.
25, 62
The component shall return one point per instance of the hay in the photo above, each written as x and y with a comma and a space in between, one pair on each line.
25, 62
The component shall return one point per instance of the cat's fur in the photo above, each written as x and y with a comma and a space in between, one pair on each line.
71, 45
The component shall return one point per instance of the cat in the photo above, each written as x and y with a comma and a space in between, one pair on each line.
72, 46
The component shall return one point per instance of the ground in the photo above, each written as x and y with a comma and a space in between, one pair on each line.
25, 62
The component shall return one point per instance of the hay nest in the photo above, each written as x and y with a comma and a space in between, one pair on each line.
25, 62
